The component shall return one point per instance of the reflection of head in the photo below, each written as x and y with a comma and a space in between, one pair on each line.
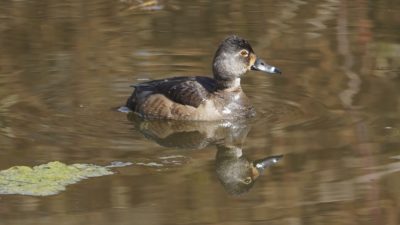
236, 172
234, 175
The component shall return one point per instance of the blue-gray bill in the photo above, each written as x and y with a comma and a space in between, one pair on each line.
264, 163
260, 65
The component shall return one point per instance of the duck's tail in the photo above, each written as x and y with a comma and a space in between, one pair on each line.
131, 102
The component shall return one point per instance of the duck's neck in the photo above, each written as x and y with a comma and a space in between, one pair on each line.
228, 84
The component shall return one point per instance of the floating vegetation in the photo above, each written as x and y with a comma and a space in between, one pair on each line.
150, 164
119, 164
163, 162
146, 5
47, 179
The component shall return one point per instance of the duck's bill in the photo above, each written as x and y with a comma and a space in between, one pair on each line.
260, 65
264, 163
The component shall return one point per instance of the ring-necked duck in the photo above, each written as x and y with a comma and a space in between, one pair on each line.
203, 98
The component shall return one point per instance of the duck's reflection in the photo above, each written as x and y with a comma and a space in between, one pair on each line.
235, 171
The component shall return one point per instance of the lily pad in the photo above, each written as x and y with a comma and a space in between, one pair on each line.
46, 179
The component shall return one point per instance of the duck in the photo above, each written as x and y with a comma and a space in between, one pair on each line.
200, 98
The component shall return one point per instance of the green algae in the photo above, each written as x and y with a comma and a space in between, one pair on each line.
46, 179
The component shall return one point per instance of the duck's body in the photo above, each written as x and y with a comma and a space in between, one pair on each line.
202, 98
189, 98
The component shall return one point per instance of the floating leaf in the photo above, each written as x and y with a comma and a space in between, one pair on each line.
46, 179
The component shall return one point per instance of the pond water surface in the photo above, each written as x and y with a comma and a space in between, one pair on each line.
334, 113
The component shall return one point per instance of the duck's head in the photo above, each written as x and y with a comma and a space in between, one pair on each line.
235, 57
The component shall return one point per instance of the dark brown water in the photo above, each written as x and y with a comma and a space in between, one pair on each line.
334, 114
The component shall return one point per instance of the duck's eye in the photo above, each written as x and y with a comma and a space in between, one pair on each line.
247, 180
244, 53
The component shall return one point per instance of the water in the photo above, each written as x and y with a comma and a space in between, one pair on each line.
333, 114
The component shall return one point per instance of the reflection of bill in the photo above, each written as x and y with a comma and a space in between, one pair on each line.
235, 171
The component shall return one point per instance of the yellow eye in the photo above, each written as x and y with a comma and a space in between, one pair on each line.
247, 180
244, 53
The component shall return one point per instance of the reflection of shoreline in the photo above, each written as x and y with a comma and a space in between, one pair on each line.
383, 68
393, 131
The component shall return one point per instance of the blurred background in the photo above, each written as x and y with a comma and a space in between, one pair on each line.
334, 113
